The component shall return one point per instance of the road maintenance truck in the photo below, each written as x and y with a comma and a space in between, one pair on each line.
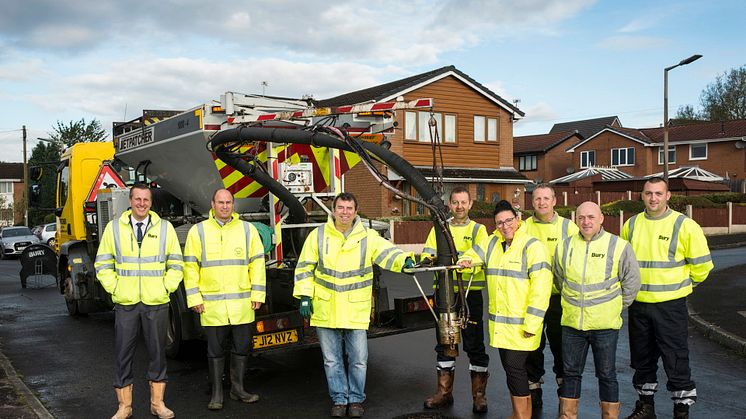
282, 158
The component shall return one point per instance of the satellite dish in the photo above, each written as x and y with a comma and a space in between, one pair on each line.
740, 145
570, 170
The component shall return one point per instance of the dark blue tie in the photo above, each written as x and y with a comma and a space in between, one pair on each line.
139, 233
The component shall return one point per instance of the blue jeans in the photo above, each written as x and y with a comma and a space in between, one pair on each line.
575, 345
344, 387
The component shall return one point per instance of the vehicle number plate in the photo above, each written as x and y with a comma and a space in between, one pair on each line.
277, 338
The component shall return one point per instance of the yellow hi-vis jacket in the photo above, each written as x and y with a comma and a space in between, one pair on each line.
133, 274
597, 278
337, 273
672, 252
224, 270
551, 233
464, 237
519, 283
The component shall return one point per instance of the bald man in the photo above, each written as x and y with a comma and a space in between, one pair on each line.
597, 275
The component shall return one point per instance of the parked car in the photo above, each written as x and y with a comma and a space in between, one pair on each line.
46, 233
14, 239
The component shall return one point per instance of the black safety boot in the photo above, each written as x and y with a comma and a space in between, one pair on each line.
680, 411
644, 409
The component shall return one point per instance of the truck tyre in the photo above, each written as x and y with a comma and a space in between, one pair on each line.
173, 334
72, 303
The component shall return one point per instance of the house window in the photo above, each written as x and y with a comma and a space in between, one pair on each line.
671, 154
417, 127
450, 129
527, 162
480, 192
587, 159
6, 187
478, 129
623, 156
491, 129
698, 151
410, 129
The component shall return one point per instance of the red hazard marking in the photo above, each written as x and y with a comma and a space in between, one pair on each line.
107, 178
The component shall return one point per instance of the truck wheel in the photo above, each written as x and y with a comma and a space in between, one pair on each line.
173, 334
70, 301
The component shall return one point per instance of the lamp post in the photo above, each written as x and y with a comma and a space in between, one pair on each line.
665, 109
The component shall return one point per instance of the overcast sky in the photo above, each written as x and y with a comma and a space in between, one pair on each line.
564, 60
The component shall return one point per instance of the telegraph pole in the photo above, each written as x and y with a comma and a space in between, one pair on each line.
25, 181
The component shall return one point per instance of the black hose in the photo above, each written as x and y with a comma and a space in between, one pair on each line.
446, 249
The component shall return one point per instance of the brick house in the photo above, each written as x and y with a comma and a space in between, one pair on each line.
11, 193
542, 158
475, 127
718, 147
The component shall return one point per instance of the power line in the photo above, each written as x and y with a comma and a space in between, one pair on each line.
10, 130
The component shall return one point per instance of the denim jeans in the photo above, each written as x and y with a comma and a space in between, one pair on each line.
575, 345
345, 387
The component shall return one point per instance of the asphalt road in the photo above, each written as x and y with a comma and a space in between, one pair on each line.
68, 362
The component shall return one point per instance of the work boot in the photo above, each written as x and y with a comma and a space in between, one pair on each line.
644, 409
568, 408
217, 366
478, 390
339, 411
238, 366
680, 411
157, 406
124, 397
521, 407
355, 410
444, 395
610, 410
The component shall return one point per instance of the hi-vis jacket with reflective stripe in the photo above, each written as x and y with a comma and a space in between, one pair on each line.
519, 283
672, 252
551, 233
597, 279
464, 237
337, 273
147, 273
224, 270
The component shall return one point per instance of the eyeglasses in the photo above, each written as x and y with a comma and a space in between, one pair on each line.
507, 221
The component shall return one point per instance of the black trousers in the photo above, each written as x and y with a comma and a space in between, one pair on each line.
660, 330
514, 364
153, 320
217, 339
472, 338
553, 333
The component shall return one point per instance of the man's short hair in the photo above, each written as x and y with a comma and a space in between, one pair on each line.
214, 194
459, 189
345, 196
504, 206
545, 186
142, 186
656, 179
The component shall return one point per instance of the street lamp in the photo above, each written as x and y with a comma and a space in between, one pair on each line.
685, 61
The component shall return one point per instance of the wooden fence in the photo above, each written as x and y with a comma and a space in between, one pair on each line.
713, 221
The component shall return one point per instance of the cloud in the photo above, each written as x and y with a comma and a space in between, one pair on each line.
627, 42
640, 23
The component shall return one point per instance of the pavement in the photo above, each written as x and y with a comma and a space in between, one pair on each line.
711, 309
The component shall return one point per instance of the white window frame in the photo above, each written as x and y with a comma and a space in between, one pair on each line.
699, 158
479, 128
587, 153
449, 134
671, 149
626, 152
6, 185
527, 163
410, 126
492, 129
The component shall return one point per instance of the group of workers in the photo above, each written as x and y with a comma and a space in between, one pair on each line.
547, 279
